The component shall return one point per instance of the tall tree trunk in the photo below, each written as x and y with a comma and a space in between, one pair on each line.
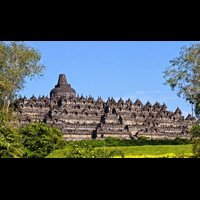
4, 103
7, 106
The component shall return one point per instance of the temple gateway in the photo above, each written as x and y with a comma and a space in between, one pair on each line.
81, 118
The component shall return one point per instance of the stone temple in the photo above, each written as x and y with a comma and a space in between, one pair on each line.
81, 118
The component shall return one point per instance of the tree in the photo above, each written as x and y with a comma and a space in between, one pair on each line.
195, 137
184, 73
18, 61
197, 106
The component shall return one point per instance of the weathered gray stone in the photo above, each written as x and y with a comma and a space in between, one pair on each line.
81, 118
62, 88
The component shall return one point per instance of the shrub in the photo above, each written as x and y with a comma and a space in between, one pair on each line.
11, 143
39, 140
34, 141
144, 141
87, 151
179, 141
110, 141
93, 143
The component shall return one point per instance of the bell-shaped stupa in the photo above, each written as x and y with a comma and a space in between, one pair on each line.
62, 88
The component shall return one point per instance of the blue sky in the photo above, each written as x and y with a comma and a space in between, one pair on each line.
127, 69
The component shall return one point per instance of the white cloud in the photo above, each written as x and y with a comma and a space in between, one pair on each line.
167, 98
140, 92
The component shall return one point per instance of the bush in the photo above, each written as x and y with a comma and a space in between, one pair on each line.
87, 151
93, 143
11, 143
110, 141
39, 140
143, 141
180, 141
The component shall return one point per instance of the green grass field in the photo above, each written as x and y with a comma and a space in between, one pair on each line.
155, 151
146, 151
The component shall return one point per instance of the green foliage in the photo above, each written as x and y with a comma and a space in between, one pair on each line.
195, 131
142, 138
110, 141
39, 139
93, 143
87, 151
195, 136
197, 106
180, 141
2, 119
34, 141
184, 73
11, 143
196, 148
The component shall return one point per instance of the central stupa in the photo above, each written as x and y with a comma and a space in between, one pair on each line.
62, 88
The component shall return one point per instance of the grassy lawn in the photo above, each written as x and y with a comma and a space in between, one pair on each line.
157, 151
61, 153
146, 151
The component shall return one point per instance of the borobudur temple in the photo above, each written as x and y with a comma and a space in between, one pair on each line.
84, 118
